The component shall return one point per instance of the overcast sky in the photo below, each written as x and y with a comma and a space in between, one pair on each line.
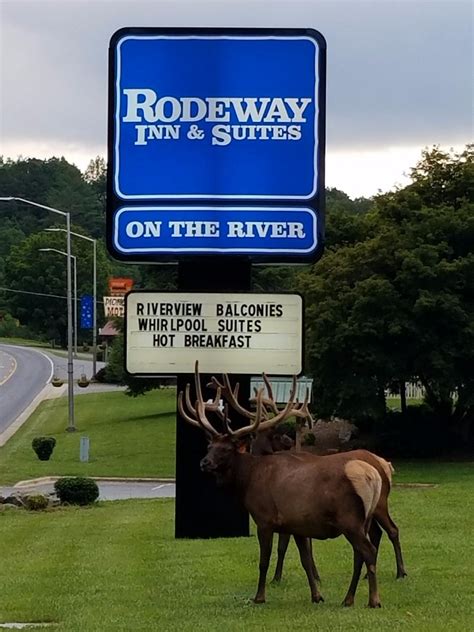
399, 75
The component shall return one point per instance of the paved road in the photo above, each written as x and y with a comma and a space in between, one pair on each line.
23, 375
80, 366
112, 491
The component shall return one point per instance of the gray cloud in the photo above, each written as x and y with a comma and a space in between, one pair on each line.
399, 73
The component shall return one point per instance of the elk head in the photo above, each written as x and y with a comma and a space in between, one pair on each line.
225, 448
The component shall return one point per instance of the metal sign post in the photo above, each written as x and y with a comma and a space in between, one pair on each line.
202, 509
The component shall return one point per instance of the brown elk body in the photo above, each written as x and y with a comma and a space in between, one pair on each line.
263, 445
287, 494
381, 516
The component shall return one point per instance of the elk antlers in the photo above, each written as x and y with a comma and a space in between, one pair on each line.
260, 418
198, 411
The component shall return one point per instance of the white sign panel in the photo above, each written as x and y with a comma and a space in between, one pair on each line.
114, 306
230, 333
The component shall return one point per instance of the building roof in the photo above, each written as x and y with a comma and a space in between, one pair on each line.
109, 329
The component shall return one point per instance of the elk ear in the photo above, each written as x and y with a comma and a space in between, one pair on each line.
242, 445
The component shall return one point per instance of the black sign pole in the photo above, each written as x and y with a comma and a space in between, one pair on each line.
202, 509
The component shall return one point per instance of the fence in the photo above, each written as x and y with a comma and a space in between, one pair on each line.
281, 387
413, 390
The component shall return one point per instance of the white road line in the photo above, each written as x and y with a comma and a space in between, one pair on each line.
35, 351
52, 367
160, 486
12, 370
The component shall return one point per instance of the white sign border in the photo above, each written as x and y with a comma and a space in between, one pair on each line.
156, 196
212, 250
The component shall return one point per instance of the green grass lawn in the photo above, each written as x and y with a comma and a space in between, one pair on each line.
393, 403
116, 567
61, 353
128, 437
23, 342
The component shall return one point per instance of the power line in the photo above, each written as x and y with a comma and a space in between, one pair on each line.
7, 289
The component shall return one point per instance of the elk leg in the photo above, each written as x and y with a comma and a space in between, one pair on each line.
387, 524
375, 534
313, 563
303, 545
283, 541
265, 539
358, 561
364, 551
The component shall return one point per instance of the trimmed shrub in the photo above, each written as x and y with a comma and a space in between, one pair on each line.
100, 375
43, 446
36, 502
76, 490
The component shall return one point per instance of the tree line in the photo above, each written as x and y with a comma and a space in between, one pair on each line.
390, 302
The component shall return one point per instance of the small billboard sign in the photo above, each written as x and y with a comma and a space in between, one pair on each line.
167, 332
119, 286
114, 306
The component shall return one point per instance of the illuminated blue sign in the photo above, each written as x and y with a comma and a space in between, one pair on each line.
87, 310
228, 230
216, 117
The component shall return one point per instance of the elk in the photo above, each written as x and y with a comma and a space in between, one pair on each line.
269, 442
286, 494
381, 518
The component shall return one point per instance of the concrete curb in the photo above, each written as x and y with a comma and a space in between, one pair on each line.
20, 420
45, 480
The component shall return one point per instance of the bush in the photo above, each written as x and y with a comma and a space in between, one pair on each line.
77, 490
417, 433
309, 439
100, 375
288, 428
85, 347
36, 502
43, 446
11, 328
114, 370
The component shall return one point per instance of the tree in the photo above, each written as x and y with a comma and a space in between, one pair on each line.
399, 304
96, 176
28, 269
53, 182
345, 224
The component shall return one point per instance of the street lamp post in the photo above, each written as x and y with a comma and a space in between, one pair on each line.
74, 289
70, 364
94, 319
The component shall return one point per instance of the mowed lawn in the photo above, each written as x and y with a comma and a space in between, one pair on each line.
129, 436
116, 566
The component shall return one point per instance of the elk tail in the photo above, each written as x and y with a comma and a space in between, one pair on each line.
366, 482
387, 468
